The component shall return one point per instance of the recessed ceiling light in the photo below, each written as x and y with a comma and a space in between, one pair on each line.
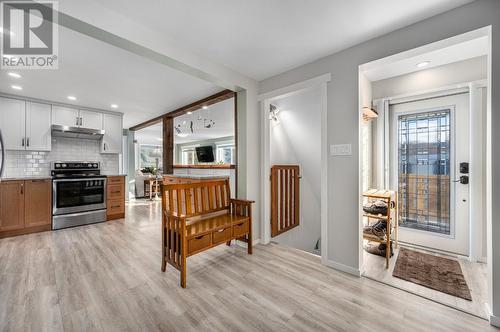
16, 75
423, 64
71, 97
114, 106
189, 112
205, 107
16, 87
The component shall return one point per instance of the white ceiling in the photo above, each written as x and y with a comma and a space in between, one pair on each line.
222, 113
99, 75
262, 38
446, 55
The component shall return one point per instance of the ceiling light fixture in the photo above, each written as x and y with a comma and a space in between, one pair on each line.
205, 107
114, 106
15, 75
16, 87
423, 64
369, 114
189, 112
71, 97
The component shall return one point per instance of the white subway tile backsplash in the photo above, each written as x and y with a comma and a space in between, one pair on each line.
38, 163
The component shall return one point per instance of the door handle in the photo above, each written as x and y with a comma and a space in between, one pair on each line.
464, 179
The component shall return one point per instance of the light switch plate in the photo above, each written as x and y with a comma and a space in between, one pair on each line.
341, 150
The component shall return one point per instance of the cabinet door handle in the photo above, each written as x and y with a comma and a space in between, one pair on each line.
77, 120
22, 141
28, 141
104, 146
22, 188
81, 121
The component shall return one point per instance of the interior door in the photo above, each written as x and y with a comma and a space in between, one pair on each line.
38, 122
429, 139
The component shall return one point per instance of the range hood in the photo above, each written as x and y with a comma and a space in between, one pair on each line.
77, 132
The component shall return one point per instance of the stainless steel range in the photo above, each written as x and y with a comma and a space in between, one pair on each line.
79, 194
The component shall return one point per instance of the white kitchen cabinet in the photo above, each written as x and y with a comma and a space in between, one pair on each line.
12, 123
38, 126
65, 116
91, 120
113, 133
25, 125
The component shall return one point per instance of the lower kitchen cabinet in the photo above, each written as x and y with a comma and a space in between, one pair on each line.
115, 197
25, 206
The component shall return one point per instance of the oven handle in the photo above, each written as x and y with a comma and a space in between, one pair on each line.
80, 179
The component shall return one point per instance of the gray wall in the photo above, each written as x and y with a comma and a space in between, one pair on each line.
343, 122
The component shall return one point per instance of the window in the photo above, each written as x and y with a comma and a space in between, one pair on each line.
148, 155
225, 153
188, 156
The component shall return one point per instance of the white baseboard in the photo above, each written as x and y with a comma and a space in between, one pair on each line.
495, 320
244, 245
342, 267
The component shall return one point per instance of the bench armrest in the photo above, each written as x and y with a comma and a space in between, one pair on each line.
241, 201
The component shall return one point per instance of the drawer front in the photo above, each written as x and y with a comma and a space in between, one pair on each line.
116, 180
116, 206
170, 180
115, 191
222, 235
199, 243
240, 229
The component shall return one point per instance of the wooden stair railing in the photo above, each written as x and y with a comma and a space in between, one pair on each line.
285, 198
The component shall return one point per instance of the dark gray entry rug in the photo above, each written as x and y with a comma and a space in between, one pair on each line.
439, 273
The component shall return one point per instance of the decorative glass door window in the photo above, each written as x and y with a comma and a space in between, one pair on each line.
424, 170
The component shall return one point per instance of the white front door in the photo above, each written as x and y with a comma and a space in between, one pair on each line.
428, 141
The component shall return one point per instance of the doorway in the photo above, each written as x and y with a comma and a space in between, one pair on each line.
294, 151
430, 140
427, 111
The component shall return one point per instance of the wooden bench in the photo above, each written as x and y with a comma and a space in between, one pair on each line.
199, 216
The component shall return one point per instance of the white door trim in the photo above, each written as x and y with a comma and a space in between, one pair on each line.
265, 101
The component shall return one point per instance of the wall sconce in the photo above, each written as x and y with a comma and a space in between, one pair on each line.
273, 113
369, 114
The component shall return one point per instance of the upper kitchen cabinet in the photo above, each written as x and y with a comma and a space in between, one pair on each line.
65, 116
113, 134
91, 120
12, 123
38, 123
25, 125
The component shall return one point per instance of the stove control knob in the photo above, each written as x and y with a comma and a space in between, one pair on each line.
64, 165
89, 165
57, 165
95, 165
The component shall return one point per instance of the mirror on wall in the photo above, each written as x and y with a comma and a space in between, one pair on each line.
206, 136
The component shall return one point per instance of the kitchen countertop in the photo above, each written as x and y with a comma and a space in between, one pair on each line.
24, 178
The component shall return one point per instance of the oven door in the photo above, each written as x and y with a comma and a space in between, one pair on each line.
78, 195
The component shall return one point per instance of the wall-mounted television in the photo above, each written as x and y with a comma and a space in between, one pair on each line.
205, 154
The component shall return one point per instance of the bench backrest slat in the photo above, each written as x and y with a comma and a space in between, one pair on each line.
193, 199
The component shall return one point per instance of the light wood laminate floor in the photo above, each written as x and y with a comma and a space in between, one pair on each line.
475, 275
106, 277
